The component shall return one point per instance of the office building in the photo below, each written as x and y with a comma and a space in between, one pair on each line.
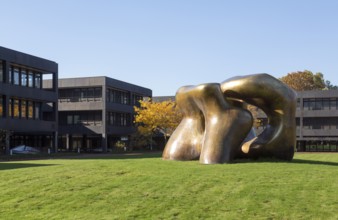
96, 112
28, 111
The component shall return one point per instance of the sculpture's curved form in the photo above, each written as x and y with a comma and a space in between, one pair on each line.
216, 125
186, 141
211, 130
278, 102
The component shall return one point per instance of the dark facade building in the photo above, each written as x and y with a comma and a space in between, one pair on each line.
316, 120
95, 112
28, 111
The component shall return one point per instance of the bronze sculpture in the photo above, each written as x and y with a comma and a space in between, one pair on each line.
216, 124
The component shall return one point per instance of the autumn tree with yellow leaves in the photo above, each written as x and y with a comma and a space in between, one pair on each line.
304, 80
157, 117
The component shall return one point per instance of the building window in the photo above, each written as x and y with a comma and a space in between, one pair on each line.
117, 96
23, 109
38, 80
138, 98
10, 75
16, 108
333, 103
69, 119
326, 104
83, 118
16, 76
80, 95
23, 77
119, 119
30, 79
37, 110
97, 94
1, 71
30, 110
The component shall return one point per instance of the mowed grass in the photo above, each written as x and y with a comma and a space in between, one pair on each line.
146, 187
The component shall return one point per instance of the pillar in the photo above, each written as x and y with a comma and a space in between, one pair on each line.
104, 142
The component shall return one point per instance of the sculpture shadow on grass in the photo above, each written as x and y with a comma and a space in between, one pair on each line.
11, 166
294, 161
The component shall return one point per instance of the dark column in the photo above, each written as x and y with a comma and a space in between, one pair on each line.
84, 142
7, 138
55, 142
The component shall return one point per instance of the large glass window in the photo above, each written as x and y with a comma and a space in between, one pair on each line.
23, 77
84, 118
30, 110
16, 76
97, 93
69, 119
318, 104
23, 109
76, 119
38, 80
10, 75
16, 108
119, 119
116, 96
80, 95
30, 79
37, 110
333, 103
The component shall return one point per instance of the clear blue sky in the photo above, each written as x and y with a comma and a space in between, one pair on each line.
163, 45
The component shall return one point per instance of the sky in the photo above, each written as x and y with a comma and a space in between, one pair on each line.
166, 44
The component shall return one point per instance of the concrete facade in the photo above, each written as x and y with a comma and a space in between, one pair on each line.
317, 120
28, 111
95, 112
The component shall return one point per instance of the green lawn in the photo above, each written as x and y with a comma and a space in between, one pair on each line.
145, 187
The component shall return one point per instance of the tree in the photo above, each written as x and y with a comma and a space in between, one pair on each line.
157, 117
304, 80
329, 86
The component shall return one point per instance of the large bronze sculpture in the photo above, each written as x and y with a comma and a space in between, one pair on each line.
216, 125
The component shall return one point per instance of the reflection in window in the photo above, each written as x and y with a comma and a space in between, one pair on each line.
76, 119
117, 96
333, 103
119, 119
10, 74
37, 110
23, 78
16, 76
85, 118
30, 109
69, 119
30, 79
16, 110
80, 95
38, 79
23, 109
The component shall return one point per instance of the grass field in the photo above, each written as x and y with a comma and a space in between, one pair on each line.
145, 187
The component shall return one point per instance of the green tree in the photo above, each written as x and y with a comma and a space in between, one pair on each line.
329, 86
